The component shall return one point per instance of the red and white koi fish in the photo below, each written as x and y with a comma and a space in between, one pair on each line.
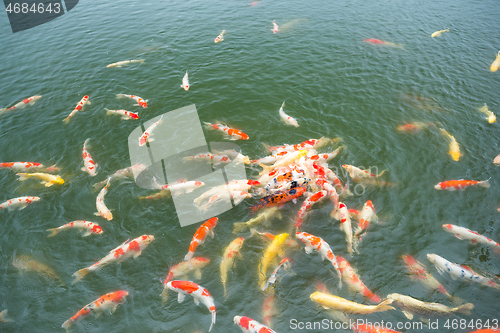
369, 328
124, 113
220, 38
460, 272
140, 101
182, 269
358, 174
179, 188
284, 265
353, 281
248, 325
21, 105
275, 30
234, 185
473, 236
342, 214
366, 215
185, 82
308, 144
418, 272
325, 157
26, 166
102, 210
228, 258
233, 134
284, 117
108, 302
86, 226
452, 185
381, 42
414, 127
79, 107
319, 245
89, 164
307, 205
121, 174
206, 229
237, 196
330, 190
147, 133
18, 203
130, 248
199, 294
269, 308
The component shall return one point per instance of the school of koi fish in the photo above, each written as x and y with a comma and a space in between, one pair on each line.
294, 176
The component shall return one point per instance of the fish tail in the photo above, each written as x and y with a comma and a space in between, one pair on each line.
98, 186
80, 274
120, 96
189, 256
456, 300
465, 309
108, 112
67, 324
164, 295
4, 317
373, 297
53, 232
213, 321
384, 306
2, 111
22, 176
207, 125
66, 120
485, 183
380, 174
141, 61
239, 226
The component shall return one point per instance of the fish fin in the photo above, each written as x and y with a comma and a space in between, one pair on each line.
181, 297
485, 183
213, 321
294, 201
48, 184
141, 61
83, 169
309, 249
211, 233
197, 274
384, 306
196, 301
21, 207
164, 295
408, 315
151, 140
466, 308
96, 314
87, 233
2, 111
136, 254
120, 96
80, 274
67, 324
239, 226
326, 308
53, 232
66, 120
4, 318
188, 256
440, 270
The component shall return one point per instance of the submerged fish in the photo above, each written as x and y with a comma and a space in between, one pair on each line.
4, 318
25, 263
220, 38
79, 107
182, 269
339, 303
185, 82
21, 105
381, 42
102, 209
230, 253
88, 162
473, 236
286, 118
418, 272
271, 252
140, 102
27, 166
124, 63
494, 66
414, 127
124, 113
491, 116
438, 33
47, 179
454, 148
275, 27
265, 216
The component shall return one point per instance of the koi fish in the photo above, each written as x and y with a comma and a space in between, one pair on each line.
206, 229
271, 252
307, 205
248, 325
79, 107
234, 185
461, 184
26, 166
147, 133
496, 160
284, 265
4, 318
494, 66
339, 303
121, 174
418, 272
124, 63
287, 160
491, 116
130, 248
199, 294
284, 117
322, 158
381, 42
179, 188
323, 248
108, 302
220, 38
353, 281
185, 82
26, 263
438, 33
86, 226
472, 236
358, 174
47, 179
414, 127
237, 196
124, 113
18, 203
345, 225
89, 164
232, 133
460, 272
369, 328
279, 198
266, 215
228, 258
182, 269
102, 210
21, 105
412, 306
366, 215
269, 308
159, 195
275, 30
140, 101
306, 145
454, 148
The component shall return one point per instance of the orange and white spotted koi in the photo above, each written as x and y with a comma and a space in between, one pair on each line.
87, 227
206, 229
185, 82
472, 236
18, 203
79, 107
345, 225
319, 245
140, 102
102, 210
269, 308
21, 105
325, 157
220, 38
248, 325
145, 137
284, 265
26, 166
199, 294
124, 113
230, 253
353, 281
307, 205
366, 215
308, 144
182, 269
130, 248
108, 302
231, 133
461, 184
418, 272
89, 164
275, 30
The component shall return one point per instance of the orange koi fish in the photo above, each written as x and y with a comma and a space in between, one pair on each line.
232, 133
79, 107
108, 302
353, 281
117, 255
140, 101
381, 42
418, 272
206, 229
279, 198
461, 184
182, 269
88, 228
21, 105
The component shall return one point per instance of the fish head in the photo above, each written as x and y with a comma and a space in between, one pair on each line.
59, 180
97, 229
147, 239
134, 115
186, 87
492, 118
447, 227
370, 204
198, 183
34, 199
243, 321
438, 186
143, 104
107, 215
497, 160
431, 257
119, 295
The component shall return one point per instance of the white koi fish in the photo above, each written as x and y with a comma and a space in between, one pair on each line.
79, 107
185, 82
124, 63
179, 188
286, 118
18, 203
284, 265
27, 166
472, 236
86, 226
21, 105
220, 38
89, 164
124, 113
140, 101
439, 32
102, 210
199, 294
147, 133
342, 214
275, 30
358, 174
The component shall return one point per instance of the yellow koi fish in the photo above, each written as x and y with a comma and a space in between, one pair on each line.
265, 216
438, 33
339, 303
491, 116
494, 66
25, 263
47, 179
454, 148
230, 253
271, 252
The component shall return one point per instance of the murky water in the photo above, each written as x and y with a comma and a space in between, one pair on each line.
334, 84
